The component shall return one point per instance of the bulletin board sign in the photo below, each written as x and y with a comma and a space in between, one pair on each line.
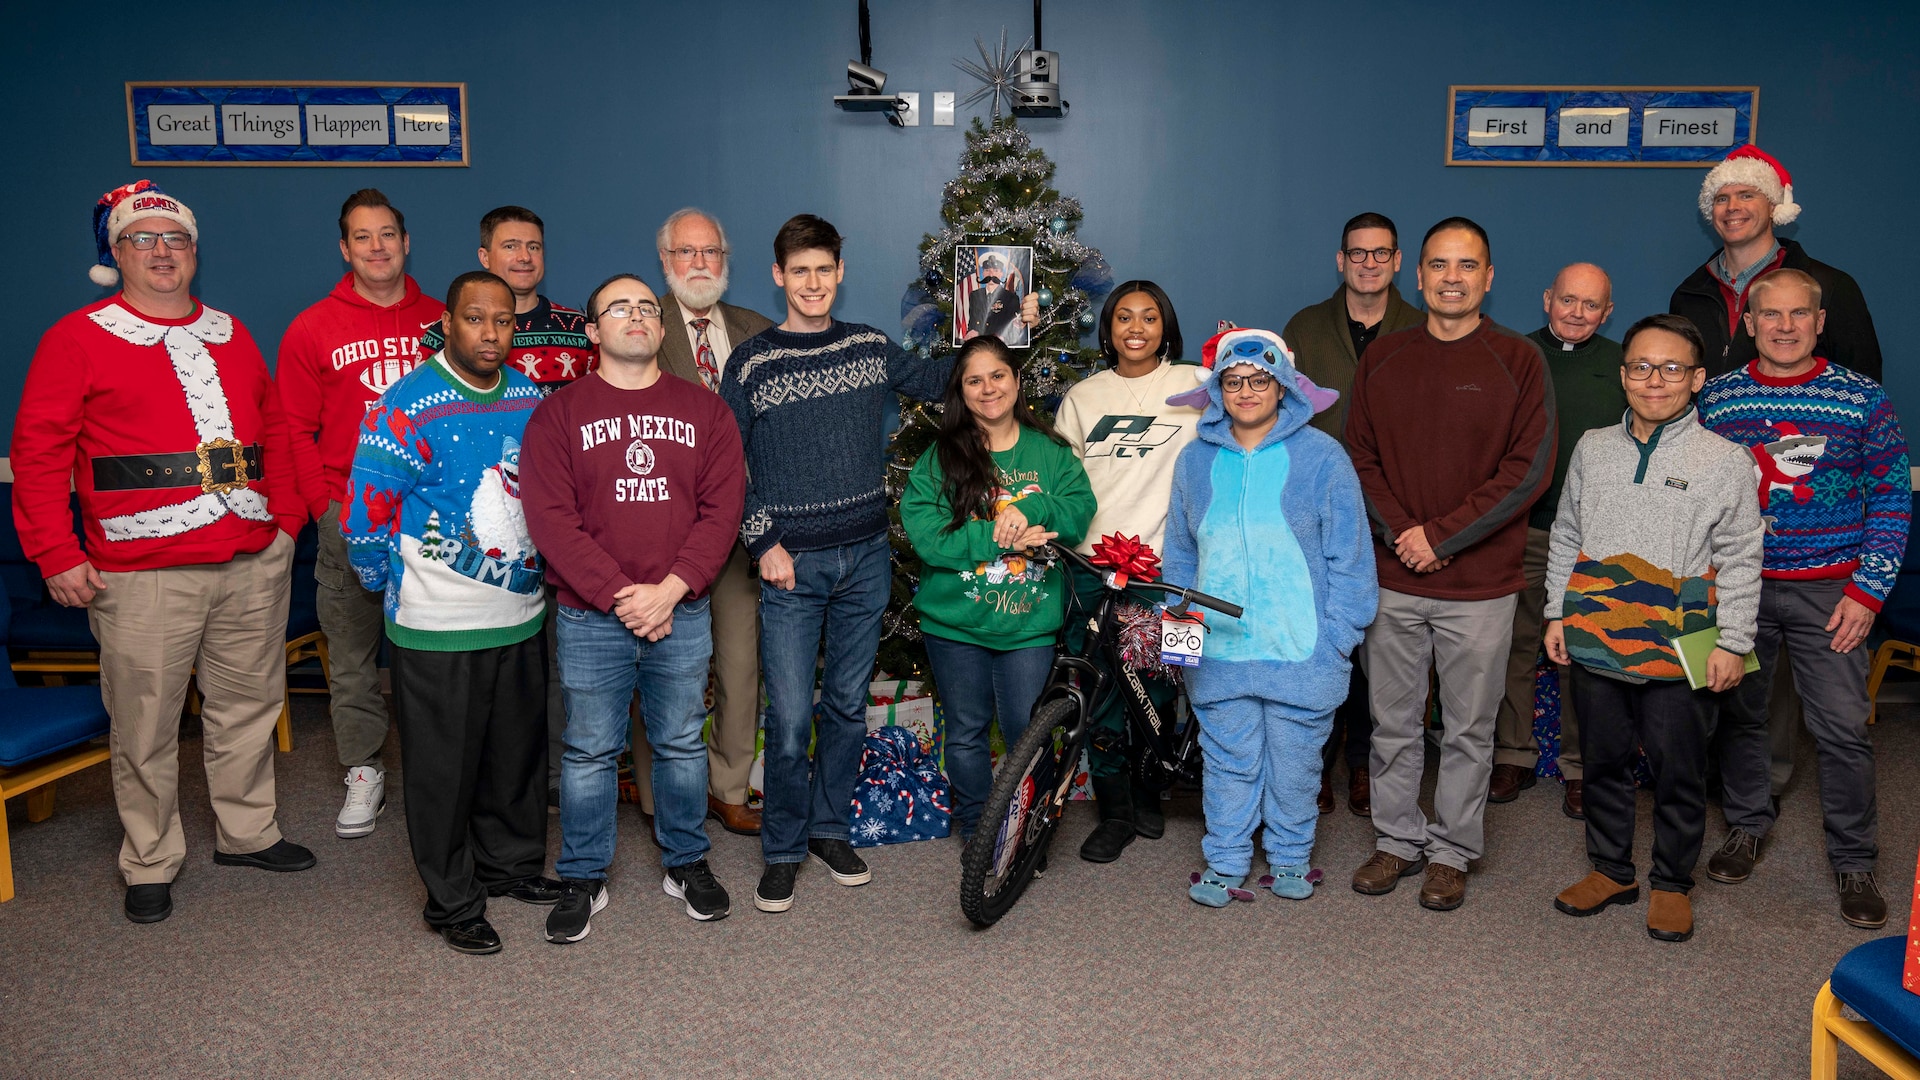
1599, 126
310, 123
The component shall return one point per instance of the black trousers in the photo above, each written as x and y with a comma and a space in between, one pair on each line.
473, 747
1352, 727
1669, 721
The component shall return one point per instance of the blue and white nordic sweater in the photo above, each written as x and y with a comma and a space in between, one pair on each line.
434, 517
1282, 531
811, 409
1834, 484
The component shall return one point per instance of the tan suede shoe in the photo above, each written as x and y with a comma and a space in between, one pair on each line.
1595, 892
1670, 916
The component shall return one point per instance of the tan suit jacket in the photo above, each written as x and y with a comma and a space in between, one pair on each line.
676, 355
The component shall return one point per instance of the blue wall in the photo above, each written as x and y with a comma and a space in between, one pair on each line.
1217, 147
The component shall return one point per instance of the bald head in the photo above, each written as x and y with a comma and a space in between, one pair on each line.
1580, 300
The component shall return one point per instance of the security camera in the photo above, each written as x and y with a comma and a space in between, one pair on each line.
1036, 84
864, 86
863, 80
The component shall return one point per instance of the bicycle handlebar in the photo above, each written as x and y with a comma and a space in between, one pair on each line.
1186, 595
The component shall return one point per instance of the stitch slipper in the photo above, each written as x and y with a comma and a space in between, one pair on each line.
1291, 882
1215, 889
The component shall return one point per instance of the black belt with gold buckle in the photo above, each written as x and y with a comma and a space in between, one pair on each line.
215, 465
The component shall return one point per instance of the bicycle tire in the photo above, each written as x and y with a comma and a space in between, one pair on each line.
1021, 811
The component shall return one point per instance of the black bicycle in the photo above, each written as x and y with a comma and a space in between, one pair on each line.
1035, 778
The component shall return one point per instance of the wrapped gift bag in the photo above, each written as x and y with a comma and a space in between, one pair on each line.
900, 795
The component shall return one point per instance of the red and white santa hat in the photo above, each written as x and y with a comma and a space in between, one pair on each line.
123, 206
1754, 167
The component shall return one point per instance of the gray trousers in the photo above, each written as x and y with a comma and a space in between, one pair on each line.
1513, 741
1833, 694
355, 623
1466, 641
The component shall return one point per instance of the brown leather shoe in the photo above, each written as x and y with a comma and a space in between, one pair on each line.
1593, 893
733, 817
1444, 889
1382, 872
1571, 803
1670, 916
1508, 782
1325, 801
1360, 792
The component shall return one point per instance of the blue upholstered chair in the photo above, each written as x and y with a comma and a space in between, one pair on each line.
1899, 620
45, 637
46, 732
1867, 980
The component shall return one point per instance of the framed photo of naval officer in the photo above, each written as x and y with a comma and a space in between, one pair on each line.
989, 284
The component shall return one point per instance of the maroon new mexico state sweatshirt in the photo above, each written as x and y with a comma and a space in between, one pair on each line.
627, 486
1459, 437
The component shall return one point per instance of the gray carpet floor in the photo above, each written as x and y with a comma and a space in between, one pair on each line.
1100, 971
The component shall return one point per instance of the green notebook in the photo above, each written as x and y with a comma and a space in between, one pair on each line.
1693, 650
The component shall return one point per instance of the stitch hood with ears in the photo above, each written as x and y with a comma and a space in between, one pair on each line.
1280, 530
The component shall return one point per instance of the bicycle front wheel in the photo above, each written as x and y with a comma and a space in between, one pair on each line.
1028, 797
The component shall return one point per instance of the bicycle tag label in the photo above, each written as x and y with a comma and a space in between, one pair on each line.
1181, 638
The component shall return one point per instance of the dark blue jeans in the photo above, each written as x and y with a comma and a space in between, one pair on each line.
975, 684
839, 592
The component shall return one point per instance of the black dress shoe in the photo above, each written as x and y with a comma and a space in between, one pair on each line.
284, 856
149, 903
534, 890
1862, 903
475, 937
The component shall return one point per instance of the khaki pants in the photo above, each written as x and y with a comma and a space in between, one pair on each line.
354, 621
154, 627
1513, 742
736, 688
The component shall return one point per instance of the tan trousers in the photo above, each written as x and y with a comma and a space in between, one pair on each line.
156, 626
1513, 742
736, 688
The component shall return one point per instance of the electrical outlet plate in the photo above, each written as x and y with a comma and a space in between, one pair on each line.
911, 117
943, 108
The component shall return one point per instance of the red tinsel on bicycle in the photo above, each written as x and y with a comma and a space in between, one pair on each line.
1139, 641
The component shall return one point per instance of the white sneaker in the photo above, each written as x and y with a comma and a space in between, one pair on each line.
366, 797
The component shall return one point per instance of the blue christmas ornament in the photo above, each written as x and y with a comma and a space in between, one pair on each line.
921, 321
1085, 320
1058, 225
1093, 276
1044, 295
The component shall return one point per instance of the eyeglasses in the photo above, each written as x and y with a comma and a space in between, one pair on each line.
686, 254
1256, 383
1361, 255
1642, 371
645, 309
144, 241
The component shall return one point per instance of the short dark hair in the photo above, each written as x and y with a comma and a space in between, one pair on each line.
500, 215
805, 232
1170, 344
473, 277
1672, 324
1468, 224
594, 296
370, 197
1368, 220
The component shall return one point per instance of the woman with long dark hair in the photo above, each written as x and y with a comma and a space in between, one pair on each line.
997, 484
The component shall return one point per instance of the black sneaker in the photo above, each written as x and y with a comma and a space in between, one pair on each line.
475, 937
553, 800
775, 893
1733, 863
846, 867
149, 903
695, 884
1862, 903
284, 856
536, 890
572, 918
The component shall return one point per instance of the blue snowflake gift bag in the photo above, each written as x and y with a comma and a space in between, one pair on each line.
900, 795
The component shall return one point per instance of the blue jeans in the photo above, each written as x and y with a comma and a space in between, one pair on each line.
602, 663
975, 683
841, 592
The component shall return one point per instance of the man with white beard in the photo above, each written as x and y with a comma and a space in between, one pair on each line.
700, 334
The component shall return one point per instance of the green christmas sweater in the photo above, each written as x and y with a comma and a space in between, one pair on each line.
970, 589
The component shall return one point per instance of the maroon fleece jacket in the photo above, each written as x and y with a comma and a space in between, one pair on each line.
1459, 437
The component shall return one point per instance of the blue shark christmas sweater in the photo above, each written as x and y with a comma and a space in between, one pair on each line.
1831, 465
1281, 531
434, 519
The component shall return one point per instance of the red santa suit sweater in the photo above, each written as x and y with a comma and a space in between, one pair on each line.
109, 381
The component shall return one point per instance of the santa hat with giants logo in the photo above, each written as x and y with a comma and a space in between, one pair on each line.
123, 206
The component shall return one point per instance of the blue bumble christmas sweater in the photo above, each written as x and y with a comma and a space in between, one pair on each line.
434, 518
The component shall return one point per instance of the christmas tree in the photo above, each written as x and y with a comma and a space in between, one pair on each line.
430, 538
1002, 196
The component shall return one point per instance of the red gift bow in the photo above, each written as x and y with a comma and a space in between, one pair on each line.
1127, 557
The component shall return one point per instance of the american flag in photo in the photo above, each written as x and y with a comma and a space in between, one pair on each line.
966, 269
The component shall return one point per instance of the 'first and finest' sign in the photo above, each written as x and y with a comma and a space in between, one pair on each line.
1597, 125
308, 124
